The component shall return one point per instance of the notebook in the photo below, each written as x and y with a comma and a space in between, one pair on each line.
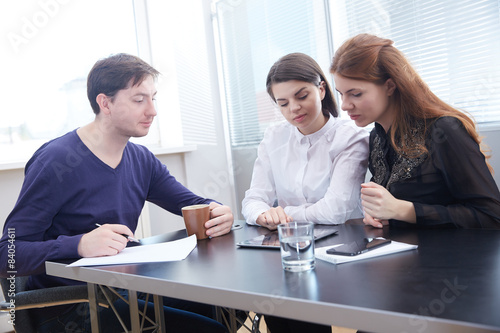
393, 247
271, 239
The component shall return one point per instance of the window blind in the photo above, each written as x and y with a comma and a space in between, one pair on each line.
195, 95
193, 75
454, 45
252, 35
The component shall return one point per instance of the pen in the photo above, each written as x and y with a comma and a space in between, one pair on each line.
132, 239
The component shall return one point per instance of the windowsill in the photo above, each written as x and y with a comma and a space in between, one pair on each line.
158, 151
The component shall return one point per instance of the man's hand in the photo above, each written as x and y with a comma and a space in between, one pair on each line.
221, 220
106, 240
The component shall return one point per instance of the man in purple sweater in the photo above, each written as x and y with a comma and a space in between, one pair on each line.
94, 175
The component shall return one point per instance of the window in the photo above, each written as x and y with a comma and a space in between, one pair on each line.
48, 49
453, 44
180, 53
252, 35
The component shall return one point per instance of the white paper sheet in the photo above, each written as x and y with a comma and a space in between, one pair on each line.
168, 251
393, 247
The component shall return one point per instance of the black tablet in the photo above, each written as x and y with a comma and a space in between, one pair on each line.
271, 239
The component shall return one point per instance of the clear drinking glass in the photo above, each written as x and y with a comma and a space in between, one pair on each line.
297, 246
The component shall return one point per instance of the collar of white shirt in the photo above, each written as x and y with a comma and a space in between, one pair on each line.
314, 137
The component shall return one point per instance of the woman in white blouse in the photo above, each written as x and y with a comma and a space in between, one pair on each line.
313, 164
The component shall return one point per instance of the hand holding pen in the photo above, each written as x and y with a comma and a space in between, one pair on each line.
130, 238
105, 240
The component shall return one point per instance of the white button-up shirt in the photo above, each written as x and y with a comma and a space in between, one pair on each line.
315, 178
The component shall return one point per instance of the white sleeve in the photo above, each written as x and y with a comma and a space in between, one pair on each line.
262, 193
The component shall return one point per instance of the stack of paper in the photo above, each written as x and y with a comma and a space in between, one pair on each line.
393, 247
168, 251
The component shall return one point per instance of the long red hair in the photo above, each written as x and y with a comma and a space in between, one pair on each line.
370, 58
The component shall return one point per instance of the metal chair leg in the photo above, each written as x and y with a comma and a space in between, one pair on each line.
256, 323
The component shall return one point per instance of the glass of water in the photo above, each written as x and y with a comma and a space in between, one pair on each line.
297, 246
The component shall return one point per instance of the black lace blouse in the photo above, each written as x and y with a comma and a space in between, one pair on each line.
449, 186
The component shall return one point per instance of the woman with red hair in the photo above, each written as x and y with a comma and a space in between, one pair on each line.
425, 158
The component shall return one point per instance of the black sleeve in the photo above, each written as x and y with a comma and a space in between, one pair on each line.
458, 158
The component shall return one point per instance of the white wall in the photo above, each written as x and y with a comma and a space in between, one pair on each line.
491, 138
10, 185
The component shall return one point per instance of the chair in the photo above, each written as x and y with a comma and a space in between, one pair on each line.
30, 299
235, 320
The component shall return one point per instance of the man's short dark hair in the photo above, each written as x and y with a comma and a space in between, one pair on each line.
114, 73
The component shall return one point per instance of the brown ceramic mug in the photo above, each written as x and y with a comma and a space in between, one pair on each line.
195, 217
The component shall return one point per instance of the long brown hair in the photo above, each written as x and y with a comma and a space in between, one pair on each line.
374, 59
301, 67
